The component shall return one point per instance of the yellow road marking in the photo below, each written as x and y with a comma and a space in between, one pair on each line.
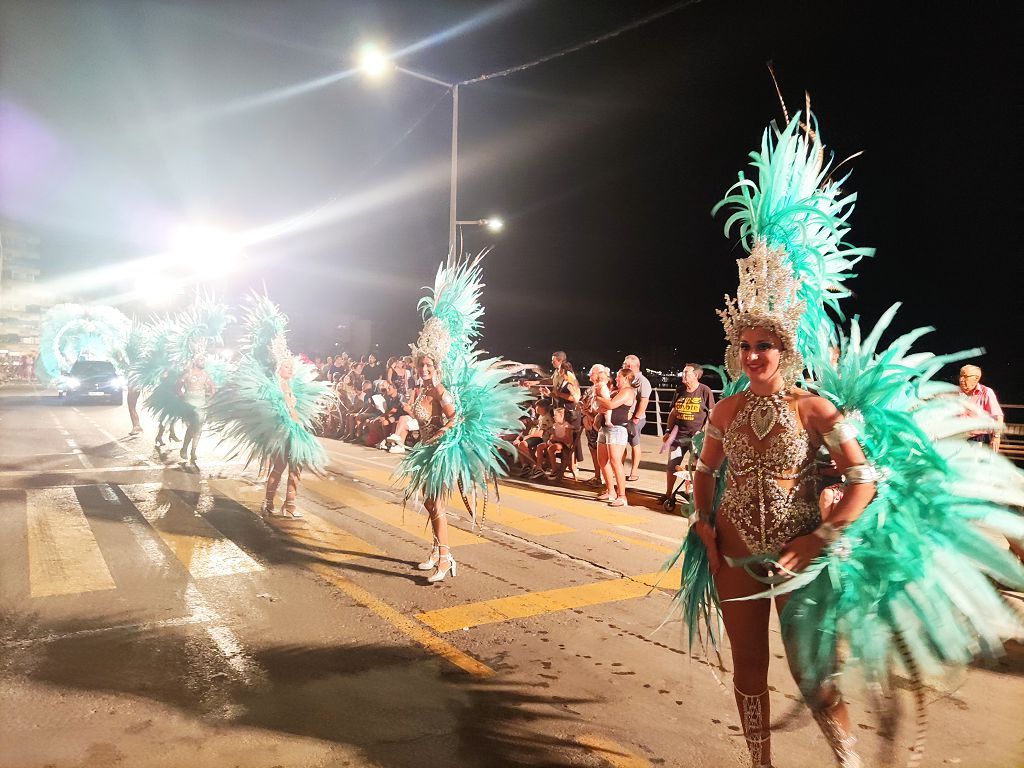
404, 624
414, 523
612, 753
333, 544
577, 506
537, 603
63, 556
634, 540
201, 548
510, 517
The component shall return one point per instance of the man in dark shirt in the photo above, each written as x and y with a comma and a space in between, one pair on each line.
690, 410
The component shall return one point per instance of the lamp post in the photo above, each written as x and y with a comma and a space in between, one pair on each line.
375, 64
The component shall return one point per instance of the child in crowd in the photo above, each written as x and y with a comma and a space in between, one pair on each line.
560, 444
536, 436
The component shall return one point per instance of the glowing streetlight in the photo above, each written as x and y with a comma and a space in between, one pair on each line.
373, 62
494, 224
204, 250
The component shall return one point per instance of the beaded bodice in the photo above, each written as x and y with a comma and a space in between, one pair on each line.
424, 414
195, 386
769, 495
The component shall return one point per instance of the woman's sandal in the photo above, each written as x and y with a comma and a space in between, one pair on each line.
633, 478
619, 502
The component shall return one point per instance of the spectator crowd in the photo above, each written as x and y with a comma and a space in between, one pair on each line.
374, 408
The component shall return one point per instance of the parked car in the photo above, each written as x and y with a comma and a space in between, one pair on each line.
91, 380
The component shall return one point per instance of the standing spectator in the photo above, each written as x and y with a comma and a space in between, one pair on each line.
565, 393
693, 402
612, 440
638, 417
589, 410
985, 400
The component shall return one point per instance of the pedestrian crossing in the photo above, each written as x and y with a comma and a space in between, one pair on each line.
63, 555
170, 525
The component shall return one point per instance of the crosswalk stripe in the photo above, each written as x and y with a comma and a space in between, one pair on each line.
334, 544
547, 601
388, 512
201, 548
502, 513
64, 557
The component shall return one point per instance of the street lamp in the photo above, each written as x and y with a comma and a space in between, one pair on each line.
375, 64
494, 224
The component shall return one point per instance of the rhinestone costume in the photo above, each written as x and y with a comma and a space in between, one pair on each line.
766, 444
425, 416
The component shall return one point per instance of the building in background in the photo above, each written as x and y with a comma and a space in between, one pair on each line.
22, 303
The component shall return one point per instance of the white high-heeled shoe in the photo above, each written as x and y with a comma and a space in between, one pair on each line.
430, 564
442, 573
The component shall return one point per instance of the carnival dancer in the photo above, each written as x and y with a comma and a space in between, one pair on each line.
270, 406
895, 572
196, 388
463, 406
178, 344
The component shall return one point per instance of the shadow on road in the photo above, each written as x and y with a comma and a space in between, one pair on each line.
398, 706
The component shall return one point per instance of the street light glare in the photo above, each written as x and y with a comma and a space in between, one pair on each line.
374, 63
495, 224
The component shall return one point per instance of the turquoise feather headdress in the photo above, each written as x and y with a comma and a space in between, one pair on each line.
793, 222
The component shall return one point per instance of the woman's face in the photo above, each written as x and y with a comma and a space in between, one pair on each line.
426, 370
621, 382
760, 352
287, 369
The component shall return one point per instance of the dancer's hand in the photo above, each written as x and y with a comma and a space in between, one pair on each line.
798, 553
710, 538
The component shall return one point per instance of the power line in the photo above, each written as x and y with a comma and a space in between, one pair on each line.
580, 46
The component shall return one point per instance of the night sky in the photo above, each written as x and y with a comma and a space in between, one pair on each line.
119, 119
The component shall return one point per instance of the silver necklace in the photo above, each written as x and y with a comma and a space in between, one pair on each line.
763, 413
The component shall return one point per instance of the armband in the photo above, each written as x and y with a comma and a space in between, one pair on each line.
447, 398
828, 533
841, 433
713, 431
702, 467
861, 473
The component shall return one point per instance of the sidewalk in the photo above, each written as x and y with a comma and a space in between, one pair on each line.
642, 493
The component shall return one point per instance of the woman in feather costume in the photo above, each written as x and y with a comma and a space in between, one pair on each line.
465, 403
178, 392
895, 572
271, 405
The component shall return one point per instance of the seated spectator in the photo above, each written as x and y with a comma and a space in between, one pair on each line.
387, 407
561, 445
538, 435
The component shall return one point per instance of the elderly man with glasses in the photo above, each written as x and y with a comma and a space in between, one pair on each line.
985, 399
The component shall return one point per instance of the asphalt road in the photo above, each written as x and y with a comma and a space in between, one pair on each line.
148, 617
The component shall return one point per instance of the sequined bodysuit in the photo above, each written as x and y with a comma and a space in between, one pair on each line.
425, 416
767, 449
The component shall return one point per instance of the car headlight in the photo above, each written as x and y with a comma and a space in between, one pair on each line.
72, 383
117, 381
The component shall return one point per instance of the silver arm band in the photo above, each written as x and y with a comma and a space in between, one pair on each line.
828, 533
861, 473
702, 467
447, 398
841, 433
713, 431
